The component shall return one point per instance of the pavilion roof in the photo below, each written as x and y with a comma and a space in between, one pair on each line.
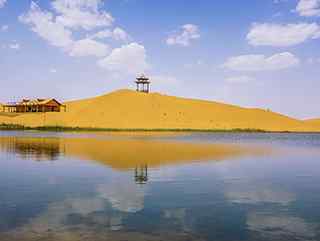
142, 78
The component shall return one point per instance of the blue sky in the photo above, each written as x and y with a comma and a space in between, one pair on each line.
254, 53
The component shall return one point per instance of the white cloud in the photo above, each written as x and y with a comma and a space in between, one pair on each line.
2, 3
107, 33
282, 35
89, 47
120, 34
129, 59
239, 79
53, 71
4, 28
14, 46
46, 27
261, 62
84, 14
308, 8
116, 34
189, 32
58, 27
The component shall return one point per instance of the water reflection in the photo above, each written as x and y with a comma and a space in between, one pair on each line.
254, 192
123, 195
138, 189
36, 148
141, 174
272, 226
126, 153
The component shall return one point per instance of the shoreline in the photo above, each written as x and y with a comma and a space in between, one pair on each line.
13, 127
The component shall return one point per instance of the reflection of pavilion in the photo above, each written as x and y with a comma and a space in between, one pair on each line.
141, 174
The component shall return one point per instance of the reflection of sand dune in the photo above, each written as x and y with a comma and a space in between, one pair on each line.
126, 153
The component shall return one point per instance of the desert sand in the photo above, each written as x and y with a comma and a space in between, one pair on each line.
126, 109
314, 122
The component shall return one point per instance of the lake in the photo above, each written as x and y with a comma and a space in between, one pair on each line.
159, 186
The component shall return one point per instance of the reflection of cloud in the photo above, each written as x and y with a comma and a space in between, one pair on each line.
179, 213
248, 193
282, 226
178, 216
55, 216
124, 196
116, 223
61, 219
86, 206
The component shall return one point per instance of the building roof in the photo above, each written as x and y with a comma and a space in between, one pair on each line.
27, 102
142, 79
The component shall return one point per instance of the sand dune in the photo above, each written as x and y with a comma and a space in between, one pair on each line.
125, 109
314, 122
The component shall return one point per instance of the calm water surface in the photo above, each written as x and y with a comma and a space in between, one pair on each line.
97, 186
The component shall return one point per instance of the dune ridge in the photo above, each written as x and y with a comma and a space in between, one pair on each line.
126, 109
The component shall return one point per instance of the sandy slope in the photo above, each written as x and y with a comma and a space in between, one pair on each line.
131, 110
314, 122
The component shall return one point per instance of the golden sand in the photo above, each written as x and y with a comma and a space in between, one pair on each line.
125, 109
314, 122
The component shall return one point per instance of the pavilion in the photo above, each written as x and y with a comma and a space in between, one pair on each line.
143, 84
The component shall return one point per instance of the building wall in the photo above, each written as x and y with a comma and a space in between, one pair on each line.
38, 108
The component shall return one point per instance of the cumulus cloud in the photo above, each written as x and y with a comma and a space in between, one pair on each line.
282, 35
261, 62
89, 47
189, 32
71, 18
120, 34
116, 34
2, 3
129, 59
85, 14
59, 32
308, 8
46, 27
